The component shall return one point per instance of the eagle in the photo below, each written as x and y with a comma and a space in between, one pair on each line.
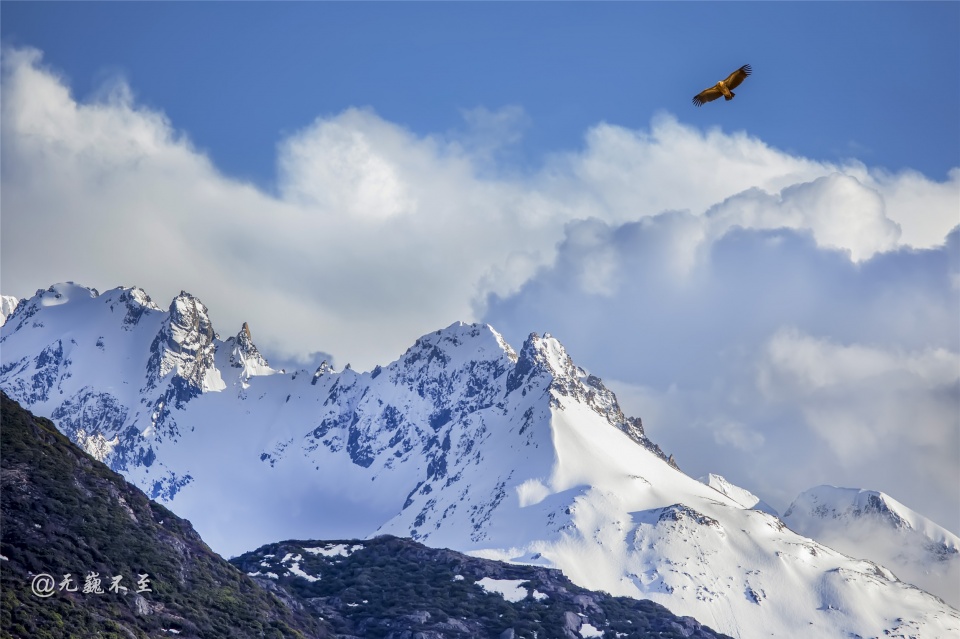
723, 87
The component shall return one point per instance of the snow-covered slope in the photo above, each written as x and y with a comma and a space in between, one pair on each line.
114, 371
875, 526
740, 495
461, 442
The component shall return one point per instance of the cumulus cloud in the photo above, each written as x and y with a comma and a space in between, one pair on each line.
880, 410
859, 398
376, 235
674, 260
350, 167
921, 207
837, 209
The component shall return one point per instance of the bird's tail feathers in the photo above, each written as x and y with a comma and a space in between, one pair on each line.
729, 97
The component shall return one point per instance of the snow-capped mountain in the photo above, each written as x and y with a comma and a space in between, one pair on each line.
873, 525
462, 442
740, 495
7, 305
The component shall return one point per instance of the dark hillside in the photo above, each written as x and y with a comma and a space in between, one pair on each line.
64, 513
392, 588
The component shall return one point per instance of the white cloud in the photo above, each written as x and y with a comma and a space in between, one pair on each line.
838, 209
733, 433
865, 401
377, 236
923, 208
351, 166
811, 365
771, 360
631, 174
667, 258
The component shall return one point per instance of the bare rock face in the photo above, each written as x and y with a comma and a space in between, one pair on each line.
571, 625
185, 346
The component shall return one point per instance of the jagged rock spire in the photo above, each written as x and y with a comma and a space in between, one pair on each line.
185, 345
246, 356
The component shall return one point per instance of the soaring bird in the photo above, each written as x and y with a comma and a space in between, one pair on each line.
723, 87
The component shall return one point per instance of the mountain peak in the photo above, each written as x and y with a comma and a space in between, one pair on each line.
873, 525
325, 368
55, 295
137, 304
474, 341
138, 295
185, 346
827, 502
8, 304
245, 356
547, 352
544, 357
740, 495
63, 292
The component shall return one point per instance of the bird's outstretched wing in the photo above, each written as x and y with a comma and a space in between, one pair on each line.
734, 79
707, 95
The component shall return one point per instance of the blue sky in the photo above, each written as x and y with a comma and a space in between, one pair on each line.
772, 283
876, 81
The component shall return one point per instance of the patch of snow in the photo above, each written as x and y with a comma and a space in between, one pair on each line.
96, 445
336, 550
295, 569
271, 575
509, 589
587, 631
212, 381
